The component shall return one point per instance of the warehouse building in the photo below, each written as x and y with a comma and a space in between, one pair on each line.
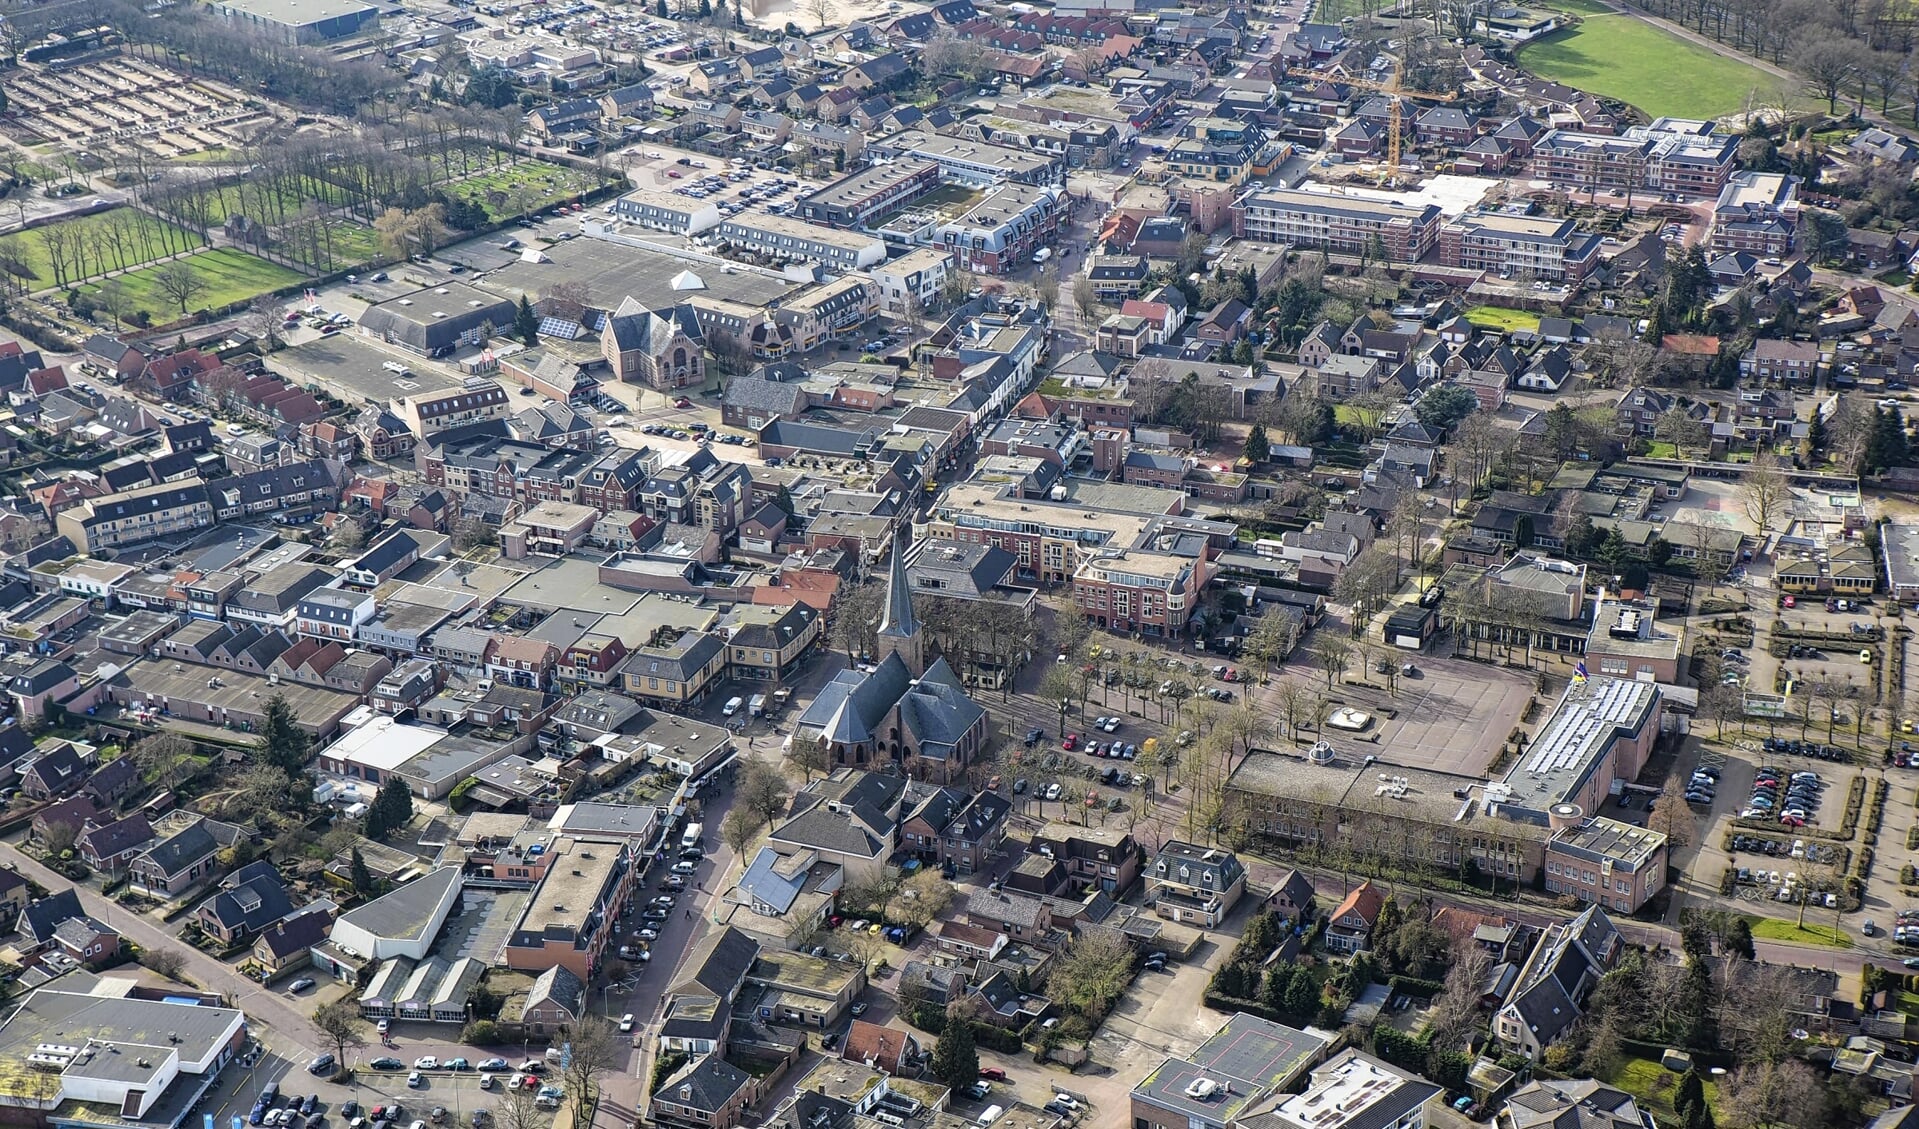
300, 21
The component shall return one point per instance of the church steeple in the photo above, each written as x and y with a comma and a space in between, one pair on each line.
899, 632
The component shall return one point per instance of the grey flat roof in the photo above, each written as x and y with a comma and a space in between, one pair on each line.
625, 820
572, 583
67, 1016
350, 367
297, 13
612, 271
452, 756
1902, 553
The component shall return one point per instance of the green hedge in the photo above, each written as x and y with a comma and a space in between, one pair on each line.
1413, 986
933, 1021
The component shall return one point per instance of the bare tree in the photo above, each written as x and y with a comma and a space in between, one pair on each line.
594, 1049
1334, 656
339, 1023
179, 282
1764, 494
741, 825
821, 11
1765, 1094
1456, 1010
1085, 299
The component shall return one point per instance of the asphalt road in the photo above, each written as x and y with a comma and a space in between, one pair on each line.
294, 1037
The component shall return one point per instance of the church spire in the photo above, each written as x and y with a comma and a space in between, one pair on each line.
899, 632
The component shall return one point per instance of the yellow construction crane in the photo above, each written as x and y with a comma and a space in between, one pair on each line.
1393, 94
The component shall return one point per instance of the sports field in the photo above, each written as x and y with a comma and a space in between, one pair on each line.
1620, 57
227, 276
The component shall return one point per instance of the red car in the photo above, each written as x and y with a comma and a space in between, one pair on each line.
682, 402
1071, 742
992, 1074
1790, 602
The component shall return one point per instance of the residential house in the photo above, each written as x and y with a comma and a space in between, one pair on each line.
176, 863
1350, 928
957, 829
1195, 885
1551, 991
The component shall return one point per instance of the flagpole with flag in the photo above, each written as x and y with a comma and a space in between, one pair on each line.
1579, 673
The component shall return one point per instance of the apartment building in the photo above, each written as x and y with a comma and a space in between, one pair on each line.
110, 521
1591, 160
1150, 592
1338, 224
915, 277
1217, 149
975, 163
664, 211
781, 237
1756, 212
570, 920
1195, 885
857, 199
1106, 858
1004, 229
479, 400
1672, 156
1512, 246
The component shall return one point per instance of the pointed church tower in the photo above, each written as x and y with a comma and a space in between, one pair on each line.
899, 628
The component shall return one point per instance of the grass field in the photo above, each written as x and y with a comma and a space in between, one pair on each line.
1619, 57
1773, 929
354, 242
149, 239
544, 183
1502, 318
1651, 1083
230, 276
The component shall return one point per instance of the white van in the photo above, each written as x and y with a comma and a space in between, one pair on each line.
1043, 254
732, 706
989, 1115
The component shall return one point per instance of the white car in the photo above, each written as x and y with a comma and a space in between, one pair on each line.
626, 1022
426, 1062
1052, 791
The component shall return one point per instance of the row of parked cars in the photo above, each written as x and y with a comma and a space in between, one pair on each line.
1798, 748
1703, 786
1794, 799
296, 1113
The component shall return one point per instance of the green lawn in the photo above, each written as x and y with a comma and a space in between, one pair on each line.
1502, 318
146, 239
354, 243
1620, 57
1651, 1083
1658, 450
274, 205
230, 276
544, 183
1773, 929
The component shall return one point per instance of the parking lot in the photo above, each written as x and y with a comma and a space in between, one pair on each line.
732, 186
